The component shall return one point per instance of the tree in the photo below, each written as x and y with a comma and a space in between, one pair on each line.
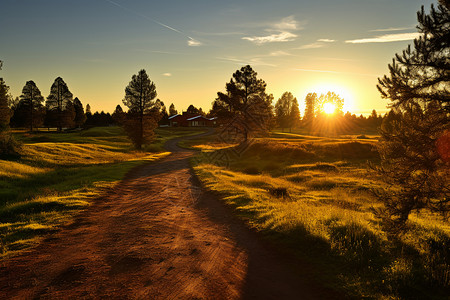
118, 114
192, 109
56, 103
310, 107
172, 110
287, 112
5, 113
245, 106
141, 118
29, 110
80, 116
412, 160
333, 98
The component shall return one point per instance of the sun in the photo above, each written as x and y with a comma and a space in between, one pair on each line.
329, 108
340, 89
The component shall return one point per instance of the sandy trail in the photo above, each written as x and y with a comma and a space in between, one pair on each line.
156, 235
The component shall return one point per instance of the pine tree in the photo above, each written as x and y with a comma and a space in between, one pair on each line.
80, 116
5, 113
56, 103
141, 118
245, 106
172, 110
413, 162
30, 111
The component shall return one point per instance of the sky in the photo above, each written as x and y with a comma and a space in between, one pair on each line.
190, 49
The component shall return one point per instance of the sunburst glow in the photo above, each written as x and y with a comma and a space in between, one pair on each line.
329, 108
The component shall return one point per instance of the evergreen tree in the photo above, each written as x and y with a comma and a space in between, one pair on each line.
30, 111
141, 118
118, 114
410, 147
56, 103
192, 109
5, 113
80, 116
172, 110
245, 105
310, 110
287, 113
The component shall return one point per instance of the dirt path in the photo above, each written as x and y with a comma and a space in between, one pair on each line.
156, 235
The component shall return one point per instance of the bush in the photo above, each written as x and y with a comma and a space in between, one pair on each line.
9, 147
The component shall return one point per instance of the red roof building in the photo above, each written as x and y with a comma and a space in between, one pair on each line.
191, 120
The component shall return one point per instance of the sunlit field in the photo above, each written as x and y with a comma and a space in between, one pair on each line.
312, 197
59, 174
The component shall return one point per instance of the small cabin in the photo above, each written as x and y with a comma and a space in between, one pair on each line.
191, 120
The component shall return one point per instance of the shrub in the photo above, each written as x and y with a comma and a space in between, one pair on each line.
9, 147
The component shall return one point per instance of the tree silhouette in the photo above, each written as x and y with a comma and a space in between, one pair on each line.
56, 104
287, 112
245, 103
80, 116
141, 118
118, 115
411, 146
172, 110
332, 98
5, 113
192, 110
310, 107
30, 111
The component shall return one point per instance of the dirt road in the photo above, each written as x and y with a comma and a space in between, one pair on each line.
156, 235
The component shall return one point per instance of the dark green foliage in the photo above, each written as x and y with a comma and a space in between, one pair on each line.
418, 89
245, 106
29, 111
9, 147
143, 113
80, 117
60, 111
5, 113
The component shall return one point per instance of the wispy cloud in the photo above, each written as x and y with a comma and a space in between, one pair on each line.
386, 38
254, 61
320, 43
193, 43
278, 32
311, 46
167, 74
391, 29
276, 37
288, 23
279, 53
326, 40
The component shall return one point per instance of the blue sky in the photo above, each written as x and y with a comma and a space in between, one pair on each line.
191, 48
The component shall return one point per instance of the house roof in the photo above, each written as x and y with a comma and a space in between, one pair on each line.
197, 117
171, 117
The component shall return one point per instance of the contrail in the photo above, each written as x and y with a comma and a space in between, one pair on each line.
153, 20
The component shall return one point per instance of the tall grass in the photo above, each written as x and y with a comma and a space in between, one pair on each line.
327, 218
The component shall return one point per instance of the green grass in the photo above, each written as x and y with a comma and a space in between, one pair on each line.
327, 219
59, 174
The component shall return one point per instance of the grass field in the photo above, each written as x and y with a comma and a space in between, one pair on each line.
311, 196
58, 174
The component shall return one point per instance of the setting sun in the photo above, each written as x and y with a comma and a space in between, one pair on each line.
329, 108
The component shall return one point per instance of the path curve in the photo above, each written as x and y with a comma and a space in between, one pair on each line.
156, 235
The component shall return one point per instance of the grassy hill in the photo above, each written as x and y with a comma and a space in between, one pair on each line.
311, 197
